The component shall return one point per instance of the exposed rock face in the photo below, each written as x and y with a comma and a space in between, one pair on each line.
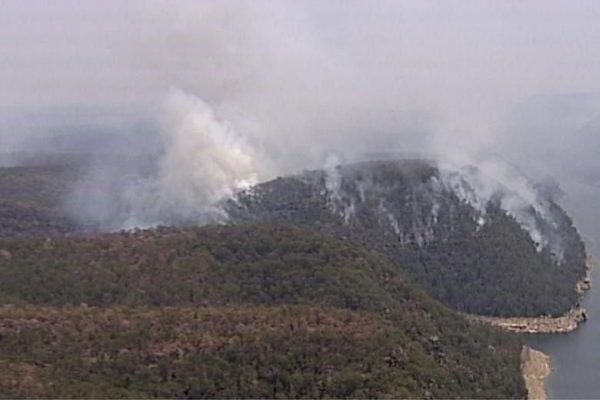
536, 367
405, 209
563, 324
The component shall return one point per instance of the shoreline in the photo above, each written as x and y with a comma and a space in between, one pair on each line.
533, 325
545, 324
536, 366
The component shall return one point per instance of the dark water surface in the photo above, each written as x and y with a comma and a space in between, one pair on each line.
576, 355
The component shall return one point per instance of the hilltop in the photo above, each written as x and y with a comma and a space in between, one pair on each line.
408, 211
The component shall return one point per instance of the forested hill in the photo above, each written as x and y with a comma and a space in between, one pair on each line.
401, 209
31, 200
404, 209
239, 311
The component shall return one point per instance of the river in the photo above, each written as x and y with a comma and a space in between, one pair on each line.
576, 355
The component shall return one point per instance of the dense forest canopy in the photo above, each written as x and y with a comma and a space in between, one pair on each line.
324, 294
399, 209
403, 210
250, 310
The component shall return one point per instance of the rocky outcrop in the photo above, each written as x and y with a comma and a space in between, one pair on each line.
536, 367
545, 324
563, 324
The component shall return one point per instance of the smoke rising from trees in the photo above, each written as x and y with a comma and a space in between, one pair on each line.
235, 92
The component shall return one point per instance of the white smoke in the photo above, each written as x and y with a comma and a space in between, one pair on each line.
203, 162
493, 179
338, 201
297, 81
490, 182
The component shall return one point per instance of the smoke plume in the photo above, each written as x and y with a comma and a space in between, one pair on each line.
203, 162
268, 88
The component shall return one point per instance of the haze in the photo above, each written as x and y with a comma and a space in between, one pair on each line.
289, 84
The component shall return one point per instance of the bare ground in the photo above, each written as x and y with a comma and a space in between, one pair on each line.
536, 367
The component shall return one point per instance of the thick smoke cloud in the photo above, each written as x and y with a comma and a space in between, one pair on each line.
265, 88
203, 161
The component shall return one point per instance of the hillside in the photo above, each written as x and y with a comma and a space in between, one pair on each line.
405, 210
58, 194
243, 311
31, 199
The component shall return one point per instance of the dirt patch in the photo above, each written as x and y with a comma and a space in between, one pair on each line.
536, 367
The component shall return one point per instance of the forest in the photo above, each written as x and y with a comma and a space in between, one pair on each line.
294, 298
233, 311
400, 209
495, 270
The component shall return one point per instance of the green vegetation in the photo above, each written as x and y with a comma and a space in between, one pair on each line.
402, 211
275, 310
495, 270
31, 200
243, 311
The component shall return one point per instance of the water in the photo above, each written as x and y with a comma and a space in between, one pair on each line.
576, 355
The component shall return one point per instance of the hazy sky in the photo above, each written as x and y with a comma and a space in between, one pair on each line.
313, 76
107, 52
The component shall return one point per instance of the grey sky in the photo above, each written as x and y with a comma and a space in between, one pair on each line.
315, 76
54, 51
